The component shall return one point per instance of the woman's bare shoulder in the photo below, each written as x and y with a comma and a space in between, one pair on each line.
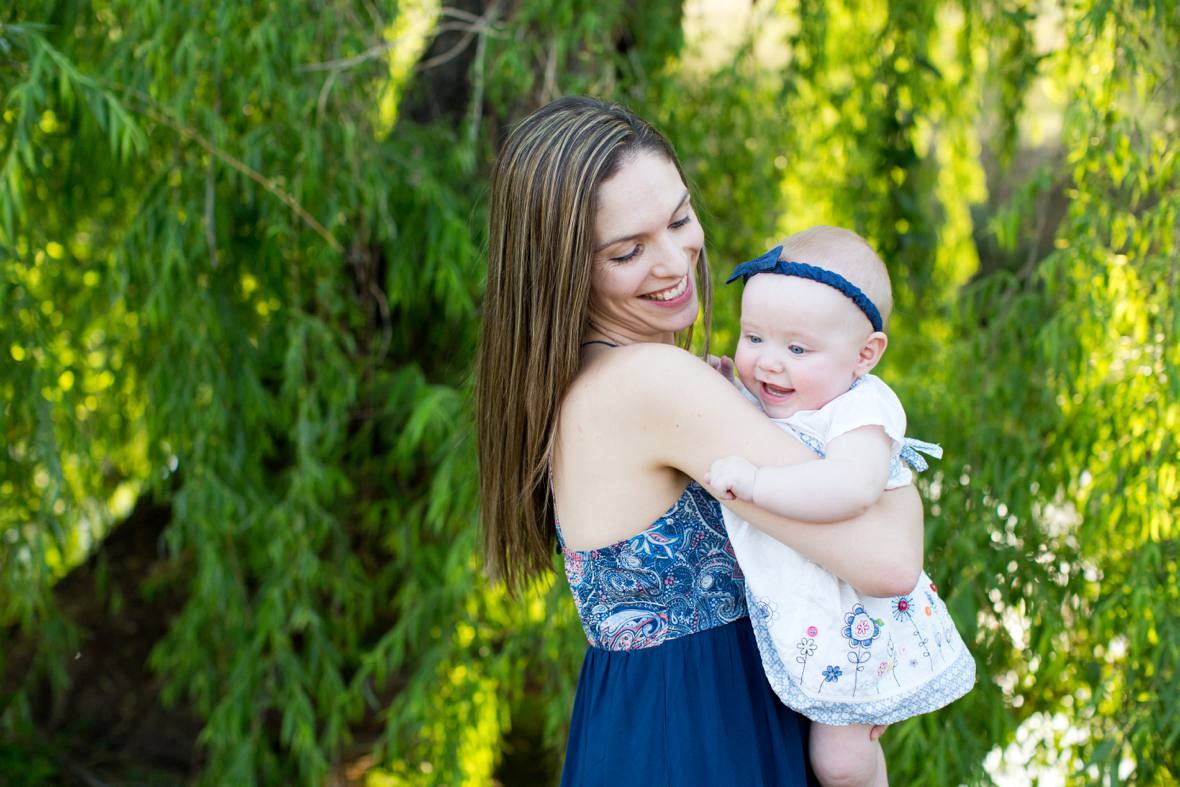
677, 408
626, 391
641, 370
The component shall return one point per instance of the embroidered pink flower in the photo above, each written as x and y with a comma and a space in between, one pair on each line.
859, 628
812, 631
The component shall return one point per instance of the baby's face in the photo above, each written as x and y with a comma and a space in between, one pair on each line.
800, 343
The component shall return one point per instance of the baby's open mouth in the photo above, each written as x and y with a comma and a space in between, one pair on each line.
774, 390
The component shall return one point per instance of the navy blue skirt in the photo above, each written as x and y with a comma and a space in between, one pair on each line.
694, 710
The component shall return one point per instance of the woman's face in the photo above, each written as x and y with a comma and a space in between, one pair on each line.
647, 240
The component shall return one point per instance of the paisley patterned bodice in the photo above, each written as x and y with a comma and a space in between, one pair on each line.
677, 577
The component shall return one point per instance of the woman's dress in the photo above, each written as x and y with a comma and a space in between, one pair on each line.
672, 690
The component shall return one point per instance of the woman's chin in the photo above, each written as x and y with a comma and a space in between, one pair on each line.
675, 319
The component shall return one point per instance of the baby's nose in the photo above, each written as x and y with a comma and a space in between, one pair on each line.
771, 361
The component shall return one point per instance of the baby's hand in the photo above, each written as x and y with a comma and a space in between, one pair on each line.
732, 478
723, 365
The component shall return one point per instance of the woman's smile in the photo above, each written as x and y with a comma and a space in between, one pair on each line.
676, 295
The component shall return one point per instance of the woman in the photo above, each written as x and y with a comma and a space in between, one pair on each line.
588, 413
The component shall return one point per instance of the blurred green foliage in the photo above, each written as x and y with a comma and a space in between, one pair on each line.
240, 271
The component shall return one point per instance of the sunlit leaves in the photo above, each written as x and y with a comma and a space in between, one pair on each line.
235, 275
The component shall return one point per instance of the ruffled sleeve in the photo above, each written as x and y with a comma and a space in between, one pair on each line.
870, 402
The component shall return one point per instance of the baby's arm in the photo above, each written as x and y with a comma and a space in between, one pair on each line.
842, 485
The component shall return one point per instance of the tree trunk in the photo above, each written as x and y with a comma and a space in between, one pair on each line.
110, 715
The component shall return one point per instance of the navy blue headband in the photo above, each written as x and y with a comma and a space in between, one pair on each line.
770, 263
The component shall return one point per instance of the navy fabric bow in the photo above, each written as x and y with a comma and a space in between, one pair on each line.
770, 263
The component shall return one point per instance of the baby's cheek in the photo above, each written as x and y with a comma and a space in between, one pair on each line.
743, 363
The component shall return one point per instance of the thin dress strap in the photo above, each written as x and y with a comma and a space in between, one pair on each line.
560, 545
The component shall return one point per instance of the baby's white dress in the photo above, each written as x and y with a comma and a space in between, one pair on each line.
831, 653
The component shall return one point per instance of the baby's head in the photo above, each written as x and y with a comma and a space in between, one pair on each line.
805, 341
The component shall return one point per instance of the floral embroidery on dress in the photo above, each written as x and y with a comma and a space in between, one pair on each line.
901, 608
832, 674
860, 628
895, 686
675, 578
806, 647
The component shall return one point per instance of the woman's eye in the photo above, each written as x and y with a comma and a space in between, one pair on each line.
678, 224
630, 255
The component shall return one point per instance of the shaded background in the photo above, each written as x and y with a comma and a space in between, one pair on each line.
240, 273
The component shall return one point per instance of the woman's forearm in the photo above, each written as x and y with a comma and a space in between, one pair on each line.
879, 552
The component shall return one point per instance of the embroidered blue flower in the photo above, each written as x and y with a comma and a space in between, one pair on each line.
859, 628
766, 608
832, 674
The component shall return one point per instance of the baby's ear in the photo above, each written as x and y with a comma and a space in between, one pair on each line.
871, 352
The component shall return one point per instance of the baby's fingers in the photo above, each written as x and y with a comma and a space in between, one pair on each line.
726, 367
723, 364
720, 480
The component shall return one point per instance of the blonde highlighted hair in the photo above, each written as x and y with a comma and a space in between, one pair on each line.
542, 206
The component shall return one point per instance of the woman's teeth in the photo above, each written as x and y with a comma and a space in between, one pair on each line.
671, 293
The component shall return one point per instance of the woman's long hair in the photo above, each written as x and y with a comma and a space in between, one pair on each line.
543, 203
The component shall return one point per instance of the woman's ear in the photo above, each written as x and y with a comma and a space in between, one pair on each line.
871, 352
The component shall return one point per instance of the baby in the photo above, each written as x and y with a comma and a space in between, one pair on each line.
812, 328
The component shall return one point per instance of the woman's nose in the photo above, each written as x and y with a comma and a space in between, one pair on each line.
673, 259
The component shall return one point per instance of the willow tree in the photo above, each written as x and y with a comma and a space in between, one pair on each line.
1034, 335
241, 273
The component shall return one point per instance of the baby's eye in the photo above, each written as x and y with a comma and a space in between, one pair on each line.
752, 339
796, 349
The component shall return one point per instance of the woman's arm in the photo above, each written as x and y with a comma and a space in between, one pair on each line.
879, 552
687, 415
